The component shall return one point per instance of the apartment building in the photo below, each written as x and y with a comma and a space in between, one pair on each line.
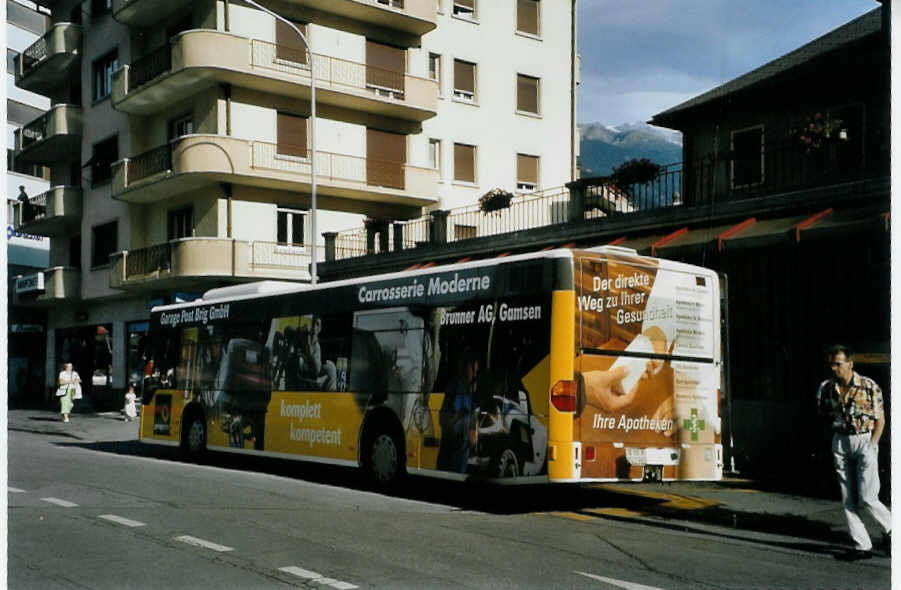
180, 141
26, 253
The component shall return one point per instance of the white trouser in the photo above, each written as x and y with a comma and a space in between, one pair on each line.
856, 467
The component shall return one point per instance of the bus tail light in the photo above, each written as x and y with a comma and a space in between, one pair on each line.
589, 453
563, 395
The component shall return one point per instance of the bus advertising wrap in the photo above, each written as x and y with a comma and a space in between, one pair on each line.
646, 372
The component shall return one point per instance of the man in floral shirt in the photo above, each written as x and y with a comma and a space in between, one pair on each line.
854, 404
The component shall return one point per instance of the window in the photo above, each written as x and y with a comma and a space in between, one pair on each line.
464, 80
526, 94
180, 223
385, 69
527, 16
392, 3
747, 156
385, 159
105, 153
75, 251
526, 173
435, 153
435, 68
290, 226
464, 163
288, 45
105, 241
11, 60
180, 126
36, 170
103, 74
465, 9
292, 135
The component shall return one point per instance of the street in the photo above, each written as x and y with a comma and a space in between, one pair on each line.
117, 514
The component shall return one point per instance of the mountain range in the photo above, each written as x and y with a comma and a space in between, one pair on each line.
604, 147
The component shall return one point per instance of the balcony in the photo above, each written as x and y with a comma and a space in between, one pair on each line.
52, 286
201, 161
199, 59
413, 17
197, 263
54, 136
47, 63
51, 213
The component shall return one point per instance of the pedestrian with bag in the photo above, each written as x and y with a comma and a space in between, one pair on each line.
68, 391
855, 406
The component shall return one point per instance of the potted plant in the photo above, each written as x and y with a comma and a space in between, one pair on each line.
819, 130
495, 200
635, 171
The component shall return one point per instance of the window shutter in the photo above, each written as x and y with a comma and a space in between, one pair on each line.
385, 65
527, 16
386, 154
464, 76
292, 135
288, 45
527, 169
464, 162
526, 94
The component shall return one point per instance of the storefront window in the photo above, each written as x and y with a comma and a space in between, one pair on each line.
137, 348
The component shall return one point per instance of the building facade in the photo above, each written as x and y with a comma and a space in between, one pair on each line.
26, 253
180, 141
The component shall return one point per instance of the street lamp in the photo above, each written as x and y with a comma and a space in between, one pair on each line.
313, 277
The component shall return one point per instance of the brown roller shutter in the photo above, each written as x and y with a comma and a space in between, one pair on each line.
465, 76
464, 162
288, 45
386, 154
526, 94
527, 16
527, 169
292, 135
385, 66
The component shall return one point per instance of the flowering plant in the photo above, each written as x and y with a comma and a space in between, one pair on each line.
495, 200
635, 171
818, 130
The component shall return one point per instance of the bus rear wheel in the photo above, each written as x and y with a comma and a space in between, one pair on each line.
384, 460
193, 442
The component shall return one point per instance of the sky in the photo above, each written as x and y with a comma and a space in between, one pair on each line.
641, 58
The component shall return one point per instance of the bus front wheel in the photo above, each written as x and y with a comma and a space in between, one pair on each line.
193, 442
384, 460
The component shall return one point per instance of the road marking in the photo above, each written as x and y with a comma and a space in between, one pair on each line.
318, 578
201, 543
58, 502
15, 490
620, 583
121, 520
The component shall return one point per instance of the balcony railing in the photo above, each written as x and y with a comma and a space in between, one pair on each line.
778, 169
148, 67
34, 208
34, 55
330, 71
151, 162
144, 261
35, 131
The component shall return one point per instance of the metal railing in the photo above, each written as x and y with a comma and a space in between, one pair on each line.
148, 163
148, 67
35, 131
279, 256
34, 55
329, 166
34, 208
144, 261
330, 71
539, 209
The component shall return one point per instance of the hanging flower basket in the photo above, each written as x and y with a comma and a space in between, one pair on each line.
817, 131
376, 223
495, 200
635, 171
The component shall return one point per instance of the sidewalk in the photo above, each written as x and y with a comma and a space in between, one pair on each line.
737, 504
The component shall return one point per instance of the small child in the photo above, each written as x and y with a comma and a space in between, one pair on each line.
131, 410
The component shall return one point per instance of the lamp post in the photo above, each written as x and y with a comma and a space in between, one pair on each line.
313, 277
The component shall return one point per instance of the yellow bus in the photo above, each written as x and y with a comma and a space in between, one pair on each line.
555, 366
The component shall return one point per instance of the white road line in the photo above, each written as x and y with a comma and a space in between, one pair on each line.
318, 578
58, 502
620, 583
14, 490
121, 520
201, 543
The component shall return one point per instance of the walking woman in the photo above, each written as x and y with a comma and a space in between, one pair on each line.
69, 390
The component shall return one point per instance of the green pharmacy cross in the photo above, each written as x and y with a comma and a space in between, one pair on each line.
694, 425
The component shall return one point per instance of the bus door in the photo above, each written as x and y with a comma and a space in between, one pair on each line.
647, 369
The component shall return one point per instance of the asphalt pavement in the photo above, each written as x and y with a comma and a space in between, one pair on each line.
731, 504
